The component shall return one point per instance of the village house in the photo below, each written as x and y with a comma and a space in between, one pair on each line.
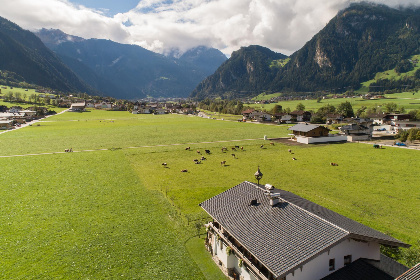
261, 116
260, 232
77, 107
378, 118
160, 111
301, 116
311, 133
357, 132
334, 118
6, 124
246, 114
103, 105
406, 125
286, 118
393, 118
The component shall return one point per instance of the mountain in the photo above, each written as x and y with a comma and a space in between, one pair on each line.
25, 56
356, 44
359, 42
130, 71
248, 70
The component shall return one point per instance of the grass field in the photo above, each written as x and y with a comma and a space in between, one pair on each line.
119, 214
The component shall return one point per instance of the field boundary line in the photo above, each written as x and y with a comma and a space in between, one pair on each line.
139, 147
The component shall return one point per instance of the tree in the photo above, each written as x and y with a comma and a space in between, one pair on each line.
360, 111
345, 109
319, 99
390, 107
402, 135
300, 107
413, 134
277, 109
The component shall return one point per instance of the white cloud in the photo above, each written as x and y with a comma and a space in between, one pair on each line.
161, 25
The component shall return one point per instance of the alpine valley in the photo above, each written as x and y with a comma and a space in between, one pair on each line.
354, 46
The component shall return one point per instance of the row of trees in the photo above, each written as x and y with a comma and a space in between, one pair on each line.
233, 107
346, 110
409, 135
31, 99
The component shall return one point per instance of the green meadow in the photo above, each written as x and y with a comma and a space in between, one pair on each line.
110, 210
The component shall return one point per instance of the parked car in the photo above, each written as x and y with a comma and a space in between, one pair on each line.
400, 144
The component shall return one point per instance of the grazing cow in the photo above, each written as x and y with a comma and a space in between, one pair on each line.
272, 143
207, 152
290, 151
294, 159
233, 149
237, 147
224, 149
184, 170
242, 148
188, 148
198, 152
195, 160
334, 164
233, 155
203, 158
198, 162
223, 163
262, 146
164, 164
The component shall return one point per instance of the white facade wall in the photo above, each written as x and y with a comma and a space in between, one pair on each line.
352, 138
319, 267
313, 140
230, 261
316, 268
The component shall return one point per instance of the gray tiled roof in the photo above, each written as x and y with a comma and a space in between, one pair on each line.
411, 274
303, 127
359, 270
287, 235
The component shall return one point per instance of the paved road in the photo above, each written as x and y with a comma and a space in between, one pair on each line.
31, 123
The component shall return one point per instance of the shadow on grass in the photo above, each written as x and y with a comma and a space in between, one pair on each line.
208, 267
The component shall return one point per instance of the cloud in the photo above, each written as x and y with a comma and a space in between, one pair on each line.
164, 25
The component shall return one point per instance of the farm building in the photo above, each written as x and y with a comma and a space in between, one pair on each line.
309, 130
77, 107
311, 133
403, 125
301, 116
6, 124
259, 232
357, 132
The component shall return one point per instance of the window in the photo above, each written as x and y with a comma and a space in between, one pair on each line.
347, 259
332, 264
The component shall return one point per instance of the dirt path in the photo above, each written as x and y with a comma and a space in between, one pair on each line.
138, 147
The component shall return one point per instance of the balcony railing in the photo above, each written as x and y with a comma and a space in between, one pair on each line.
238, 252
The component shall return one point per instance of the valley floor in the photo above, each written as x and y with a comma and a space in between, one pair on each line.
115, 212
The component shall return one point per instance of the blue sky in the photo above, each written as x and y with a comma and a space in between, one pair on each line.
109, 7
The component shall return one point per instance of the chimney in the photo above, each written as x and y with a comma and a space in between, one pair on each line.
274, 197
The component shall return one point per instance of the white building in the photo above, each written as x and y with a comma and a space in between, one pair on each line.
265, 233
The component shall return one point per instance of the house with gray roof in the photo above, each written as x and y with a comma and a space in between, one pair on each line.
307, 133
260, 232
